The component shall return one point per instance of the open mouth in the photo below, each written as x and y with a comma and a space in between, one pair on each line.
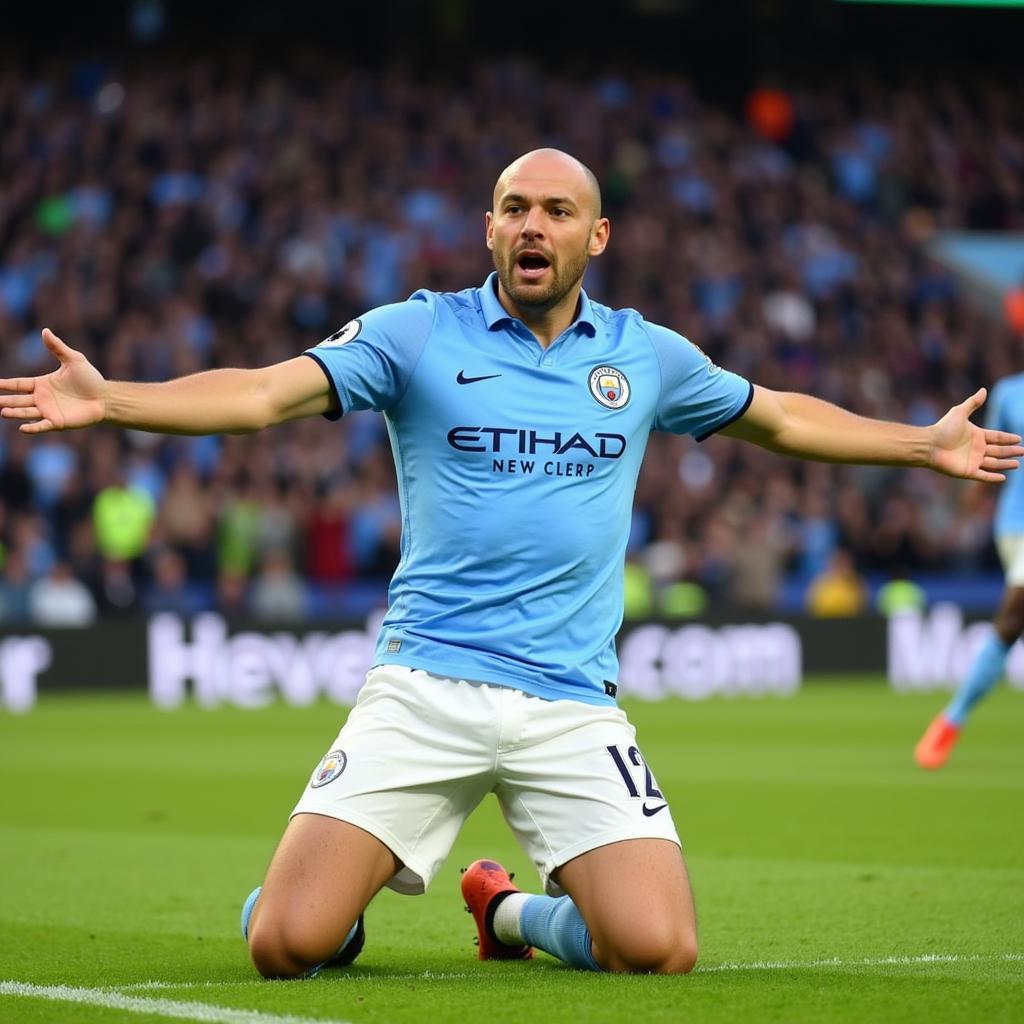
532, 264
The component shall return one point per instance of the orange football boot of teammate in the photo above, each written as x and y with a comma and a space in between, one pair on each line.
935, 746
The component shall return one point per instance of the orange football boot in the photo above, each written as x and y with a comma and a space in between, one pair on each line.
935, 746
483, 882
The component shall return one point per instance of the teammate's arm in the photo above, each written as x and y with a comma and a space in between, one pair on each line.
800, 425
225, 401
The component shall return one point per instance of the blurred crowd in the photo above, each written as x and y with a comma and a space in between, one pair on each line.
167, 219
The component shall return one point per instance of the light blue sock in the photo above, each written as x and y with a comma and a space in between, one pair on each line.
556, 926
250, 902
985, 672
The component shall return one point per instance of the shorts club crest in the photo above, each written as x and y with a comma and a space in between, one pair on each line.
332, 765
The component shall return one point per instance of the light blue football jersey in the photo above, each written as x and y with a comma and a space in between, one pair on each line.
1005, 411
516, 470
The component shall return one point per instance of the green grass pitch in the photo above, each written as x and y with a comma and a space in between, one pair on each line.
835, 881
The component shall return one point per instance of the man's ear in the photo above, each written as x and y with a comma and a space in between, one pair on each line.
489, 227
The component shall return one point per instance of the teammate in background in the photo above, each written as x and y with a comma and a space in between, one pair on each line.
518, 414
1005, 412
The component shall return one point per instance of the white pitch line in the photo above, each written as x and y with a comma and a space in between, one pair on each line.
204, 1012
149, 986
156, 1007
756, 965
882, 961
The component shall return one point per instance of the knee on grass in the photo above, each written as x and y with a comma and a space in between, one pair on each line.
669, 952
281, 954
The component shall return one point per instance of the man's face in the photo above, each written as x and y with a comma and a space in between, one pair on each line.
543, 230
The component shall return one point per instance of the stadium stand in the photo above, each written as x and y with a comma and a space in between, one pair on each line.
169, 216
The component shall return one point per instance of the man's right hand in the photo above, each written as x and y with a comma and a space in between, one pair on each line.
73, 396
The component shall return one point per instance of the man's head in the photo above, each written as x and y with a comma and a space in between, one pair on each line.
544, 226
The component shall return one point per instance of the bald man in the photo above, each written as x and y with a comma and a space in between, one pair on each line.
518, 414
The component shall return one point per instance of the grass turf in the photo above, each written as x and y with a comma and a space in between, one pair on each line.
827, 868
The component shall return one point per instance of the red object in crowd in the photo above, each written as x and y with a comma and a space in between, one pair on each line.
328, 545
1013, 307
770, 113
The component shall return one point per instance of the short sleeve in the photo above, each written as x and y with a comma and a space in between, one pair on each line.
697, 396
369, 361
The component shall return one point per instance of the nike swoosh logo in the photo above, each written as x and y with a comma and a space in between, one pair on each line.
649, 812
463, 379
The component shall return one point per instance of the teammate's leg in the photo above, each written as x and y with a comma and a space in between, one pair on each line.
630, 909
937, 743
323, 874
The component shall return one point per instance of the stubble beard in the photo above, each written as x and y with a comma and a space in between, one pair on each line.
541, 299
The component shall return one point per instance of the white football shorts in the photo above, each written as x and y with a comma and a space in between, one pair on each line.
1011, 554
419, 752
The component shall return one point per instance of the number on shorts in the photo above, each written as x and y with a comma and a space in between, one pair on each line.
636, 759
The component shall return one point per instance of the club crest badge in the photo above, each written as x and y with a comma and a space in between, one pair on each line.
332, 765
344, 336
609, 386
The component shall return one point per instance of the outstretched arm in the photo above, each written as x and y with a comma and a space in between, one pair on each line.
214, 402
796, 424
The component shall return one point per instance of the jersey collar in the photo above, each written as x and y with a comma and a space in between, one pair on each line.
494, 312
